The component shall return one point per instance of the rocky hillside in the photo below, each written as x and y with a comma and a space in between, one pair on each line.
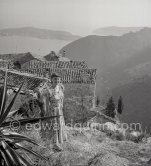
119, 59
94, 148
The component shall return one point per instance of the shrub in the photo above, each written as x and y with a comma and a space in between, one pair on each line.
116, 135
136, 139
110, 108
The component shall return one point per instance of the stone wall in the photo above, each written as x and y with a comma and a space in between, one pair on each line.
80, 93
78, 101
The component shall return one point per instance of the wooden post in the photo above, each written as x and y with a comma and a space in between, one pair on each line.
61, 122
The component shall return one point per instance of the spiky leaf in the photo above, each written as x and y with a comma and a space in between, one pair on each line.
3, 95
11, 153
30, 151
6, 112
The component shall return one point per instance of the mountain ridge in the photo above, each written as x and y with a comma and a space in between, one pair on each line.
95, 48
39, 33
115, 30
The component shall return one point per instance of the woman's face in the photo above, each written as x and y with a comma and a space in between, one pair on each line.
55, 80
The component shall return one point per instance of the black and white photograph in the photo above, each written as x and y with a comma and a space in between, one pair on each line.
75, 82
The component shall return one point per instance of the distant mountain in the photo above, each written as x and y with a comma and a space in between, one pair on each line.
117, 59
104, 52
39, 33
115, 31
121, 62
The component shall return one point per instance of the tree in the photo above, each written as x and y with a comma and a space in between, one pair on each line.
97, 101
120, 105
110, 108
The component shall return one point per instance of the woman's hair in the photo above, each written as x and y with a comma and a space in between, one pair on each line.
54, 75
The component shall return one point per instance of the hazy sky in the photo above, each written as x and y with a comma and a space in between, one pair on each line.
76, 16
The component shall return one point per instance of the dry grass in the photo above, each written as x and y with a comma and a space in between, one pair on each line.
92, 148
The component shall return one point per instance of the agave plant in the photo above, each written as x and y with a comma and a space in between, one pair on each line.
10, 141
